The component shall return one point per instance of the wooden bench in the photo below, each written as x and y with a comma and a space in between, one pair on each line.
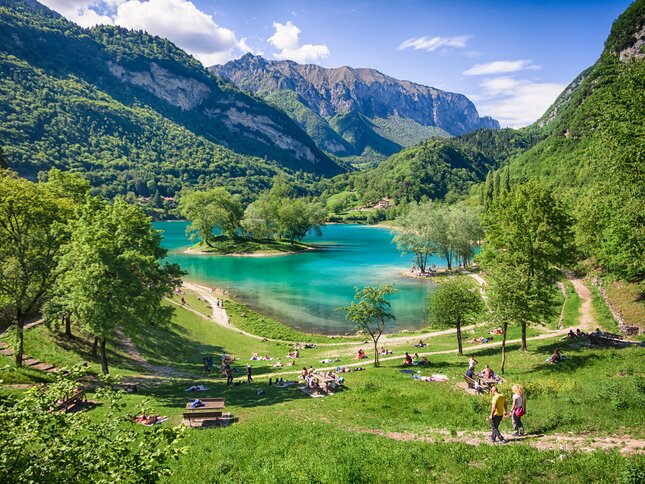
70, 401
473, 384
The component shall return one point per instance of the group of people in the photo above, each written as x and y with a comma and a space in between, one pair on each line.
577, 334
486, 373
499, 410
326, 381
257, 357
409, 360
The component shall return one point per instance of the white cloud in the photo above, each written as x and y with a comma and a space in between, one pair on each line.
286, 39
177, 20
501, 67
434, 43
244, 46
516, 103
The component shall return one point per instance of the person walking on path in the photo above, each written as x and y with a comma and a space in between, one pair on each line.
499, 408
249, 370
229, 373
518, 409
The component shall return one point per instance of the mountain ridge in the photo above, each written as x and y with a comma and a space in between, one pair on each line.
378, 103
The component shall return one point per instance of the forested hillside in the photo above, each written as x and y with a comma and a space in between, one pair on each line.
133, 111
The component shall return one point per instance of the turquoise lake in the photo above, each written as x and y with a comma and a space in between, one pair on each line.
304, 290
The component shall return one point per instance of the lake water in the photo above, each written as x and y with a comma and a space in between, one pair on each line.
304, 290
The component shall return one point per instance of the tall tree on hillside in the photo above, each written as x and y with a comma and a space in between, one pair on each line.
210, 209
527, 232
454, 304
506, 180
369, 312
488, 190
31, 235
111, 274
4, 163
413, 235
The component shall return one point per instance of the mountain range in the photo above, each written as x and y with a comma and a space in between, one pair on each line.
134, 111
359, 114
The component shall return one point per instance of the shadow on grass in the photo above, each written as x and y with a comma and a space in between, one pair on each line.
244, 395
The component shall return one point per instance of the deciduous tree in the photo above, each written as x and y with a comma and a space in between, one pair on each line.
369, 312
454, 304
112, 276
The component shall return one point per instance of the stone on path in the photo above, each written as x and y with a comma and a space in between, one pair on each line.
6, 352
30, 361
43, 367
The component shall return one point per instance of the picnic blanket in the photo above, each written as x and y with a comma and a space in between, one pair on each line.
410, 372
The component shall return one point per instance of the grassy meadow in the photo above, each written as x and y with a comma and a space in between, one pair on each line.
384, 425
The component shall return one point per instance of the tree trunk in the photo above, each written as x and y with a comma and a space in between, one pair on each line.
68, 326
461, 351
20, 323
504, 327
449, 261
376, 360
95, 346
524, 336
104, 362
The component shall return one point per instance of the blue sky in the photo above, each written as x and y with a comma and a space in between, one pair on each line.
511, 58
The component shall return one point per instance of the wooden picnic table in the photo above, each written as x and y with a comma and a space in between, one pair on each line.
323, 378
209, 404
212, 409
487, 381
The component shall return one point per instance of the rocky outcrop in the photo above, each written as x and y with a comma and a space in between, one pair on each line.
637, 49
329, 92
183, 92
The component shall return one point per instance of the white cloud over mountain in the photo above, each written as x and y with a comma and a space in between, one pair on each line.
513, 102
501, 67
178, 20
287, 40
431, 44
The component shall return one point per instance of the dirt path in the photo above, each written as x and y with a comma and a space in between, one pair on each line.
362, 363
133, 353
568, 442
587, 320
219, 316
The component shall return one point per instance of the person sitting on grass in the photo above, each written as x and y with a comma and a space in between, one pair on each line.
579, 333
424, 361
304, 372
556, 357
420, 344
361, 354
470, 373
384, 352
571, 334
407, 359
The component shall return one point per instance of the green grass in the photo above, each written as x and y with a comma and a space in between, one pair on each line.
253, 322
242, 246
571, 306
603, 316
284, 436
